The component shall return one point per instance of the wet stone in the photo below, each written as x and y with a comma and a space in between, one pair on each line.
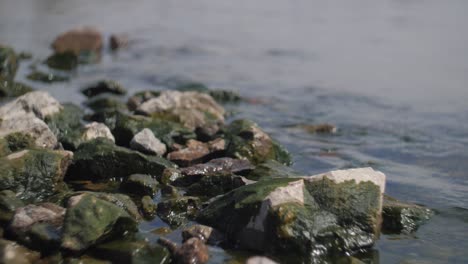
105, 102
78, 40
140, 97
132, 252
318, 128
176, 211
46, 77
271, 169
192, 251
196, 152
145, 141
206, 234
140, 184
104, 86
66, 126
13, 89
401, 217
218, 166
148, 207
213, 185
8, 204
65, 61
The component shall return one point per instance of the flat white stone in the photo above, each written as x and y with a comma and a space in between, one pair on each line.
97, 130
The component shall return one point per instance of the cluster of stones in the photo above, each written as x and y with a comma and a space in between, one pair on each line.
75, 187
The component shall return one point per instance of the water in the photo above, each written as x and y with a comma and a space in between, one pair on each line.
392, 75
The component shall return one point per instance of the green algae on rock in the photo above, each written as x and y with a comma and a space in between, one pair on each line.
63, 61
402, 217
13, 89
311, 216
34, 175
104, 87
90, 220
176, 211
18, 141
245, 139
105, 102
213, 185
140, 184
67, 126
271, 169
101, 159
8, 204
46, 77
132, 252
8, 63
148, 207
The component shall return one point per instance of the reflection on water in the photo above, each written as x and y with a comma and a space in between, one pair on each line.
390, 74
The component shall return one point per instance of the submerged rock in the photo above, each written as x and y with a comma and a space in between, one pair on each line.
65, 61
176, 211
192, 109
96, 130
11, 252
8, 64
46, 77
140, 184
402, 217
101, 159
90, 220
318, 128
310, 217
104, 86
213, 185
145, 141
192, 251
247, 141
78, 40
34, 175
105, 102
197, 152
132, 252
118, 41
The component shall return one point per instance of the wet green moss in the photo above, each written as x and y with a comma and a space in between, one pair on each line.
8, 204
176, 211
271, 169
401, 217
46, 77
67, 126
18, 141
63, 61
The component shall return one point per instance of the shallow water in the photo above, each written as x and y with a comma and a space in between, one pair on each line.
392, 75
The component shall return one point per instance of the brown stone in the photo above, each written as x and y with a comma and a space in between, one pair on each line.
196, 152
78, 40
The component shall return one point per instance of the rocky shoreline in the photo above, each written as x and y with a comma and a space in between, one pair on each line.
75, 185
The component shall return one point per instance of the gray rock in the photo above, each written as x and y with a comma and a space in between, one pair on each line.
146, 142
27, 216
97, 130
192, 109
260, 260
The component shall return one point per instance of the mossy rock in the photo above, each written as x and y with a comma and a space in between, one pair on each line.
105, 102
148, 207
90, 220
221, 96
34, 175
140, 184
13, 89
213, 185
63, 61
102, 87
247, 140
176, 211
67, 126
127, 126
401, 217
8, 63
13, 253
132, 252
8, 204
271, 169
18, 141
46, 77
101, 159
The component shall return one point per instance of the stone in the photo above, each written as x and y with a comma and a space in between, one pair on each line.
13, 89
46, 77
101, 159
145, 142
65, 61
319, 128
310, 217
221, 96
218, 166
105, 102
401, 217
192, 109
271, 169
8, 204
96, 130
120, 200
214, 185
8, 64
19, 141
103, 87
206, 234
118, 41
78, 40
34, 175
260, 260
171, 176
132, 252
148, 207
245, 140
66, 126
12, 253
192, 251
90, 220
176, 211
197, 152
140, 184
29, 126
140, 97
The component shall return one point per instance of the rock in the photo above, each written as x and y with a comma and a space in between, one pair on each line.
12, 253
247, 141
319, 128
192, 251
271, 169
104, 86
169, 191
132, 252
192, 109
206, 234
259, 260
221, 96
197, 152
400, 217
65, 61
145, 141
8, 64
34, 175
125, 127
310, 217
148, 207
46, 77
171, 176
66, 126
78, 40
118, 41
208, 132
140, 97
105, 102
13, 89
19, 141
120, 200
176, 211
96, 130
90, 220
8, 204
140, 184
28, 125
213, 185
101, 159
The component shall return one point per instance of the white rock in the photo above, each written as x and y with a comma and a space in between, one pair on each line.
146, 142
260, 260
39, 103
191, 108
30, 214
97, 130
